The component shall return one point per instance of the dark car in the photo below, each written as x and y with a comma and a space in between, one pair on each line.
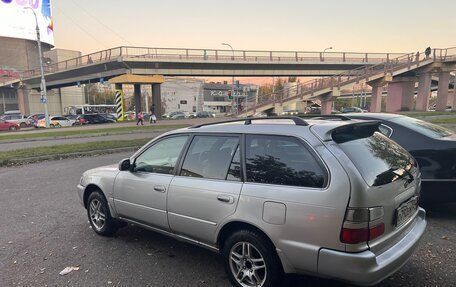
173, 116
353, 110
433, 146
93, 119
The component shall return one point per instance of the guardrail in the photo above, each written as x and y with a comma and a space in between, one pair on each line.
353, 76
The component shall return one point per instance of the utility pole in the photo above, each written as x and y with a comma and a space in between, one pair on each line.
232, 83
43, 97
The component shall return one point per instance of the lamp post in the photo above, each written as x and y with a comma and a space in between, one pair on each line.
323, 55
232, 83
43, 98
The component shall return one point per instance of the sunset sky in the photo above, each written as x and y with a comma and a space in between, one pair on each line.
295, 25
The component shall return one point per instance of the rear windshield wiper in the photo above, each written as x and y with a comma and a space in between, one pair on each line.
388, 176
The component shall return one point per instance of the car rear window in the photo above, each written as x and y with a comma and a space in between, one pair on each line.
379, 159
422, 127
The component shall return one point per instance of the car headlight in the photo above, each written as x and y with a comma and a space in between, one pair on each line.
81, 180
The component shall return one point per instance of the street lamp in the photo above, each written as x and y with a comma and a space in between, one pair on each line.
323, 55
232, 84
43, 98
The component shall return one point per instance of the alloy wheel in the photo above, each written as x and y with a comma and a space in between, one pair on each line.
247, 265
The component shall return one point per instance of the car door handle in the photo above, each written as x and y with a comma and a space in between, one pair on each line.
160, 188
225, 198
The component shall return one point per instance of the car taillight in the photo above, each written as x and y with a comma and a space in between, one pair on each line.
362, 224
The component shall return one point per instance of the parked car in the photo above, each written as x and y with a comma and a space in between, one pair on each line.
93, 119
331, 198
353, 110
19, 119
173, 115
33, 119
109, 116
202, 114
433, 146
56, 122
5, 126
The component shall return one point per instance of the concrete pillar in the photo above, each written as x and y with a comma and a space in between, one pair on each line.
442, 93
137, 95
424, 88
21, 100
376, 100
453, 101
326, 107
400, 95
156, 100
278, 109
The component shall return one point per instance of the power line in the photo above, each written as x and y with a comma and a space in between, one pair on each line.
83, 29
101, 23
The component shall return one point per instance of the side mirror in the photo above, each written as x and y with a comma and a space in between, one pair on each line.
124, 164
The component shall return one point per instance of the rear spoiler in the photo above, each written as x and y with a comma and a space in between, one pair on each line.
352, 131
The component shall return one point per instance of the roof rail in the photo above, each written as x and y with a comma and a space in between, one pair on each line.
248, 121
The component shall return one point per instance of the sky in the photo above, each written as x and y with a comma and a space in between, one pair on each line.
290, 25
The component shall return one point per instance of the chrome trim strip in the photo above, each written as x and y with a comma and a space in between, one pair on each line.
173, 235
193, 218
139, 205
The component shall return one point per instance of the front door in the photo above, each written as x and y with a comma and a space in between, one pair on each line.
140, 194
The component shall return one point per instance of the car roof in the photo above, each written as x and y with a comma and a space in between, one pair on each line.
271, 125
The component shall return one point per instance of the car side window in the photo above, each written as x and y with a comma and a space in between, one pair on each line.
282, 160
162, 156
210, 157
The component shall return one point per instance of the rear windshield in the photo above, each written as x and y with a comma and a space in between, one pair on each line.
422, 127
379, 159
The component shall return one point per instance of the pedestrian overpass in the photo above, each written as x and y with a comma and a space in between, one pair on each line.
399, 74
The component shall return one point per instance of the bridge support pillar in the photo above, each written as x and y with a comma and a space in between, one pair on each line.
327, 102
400, 95
21, 100
278, 109
137, 95
442, 93
424, 88
377, 91
156, 106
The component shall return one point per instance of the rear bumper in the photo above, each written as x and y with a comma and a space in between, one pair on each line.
367, 268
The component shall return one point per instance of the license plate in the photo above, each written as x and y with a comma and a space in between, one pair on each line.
406, 210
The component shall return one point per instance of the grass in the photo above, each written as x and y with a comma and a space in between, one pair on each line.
444, 121
29, 154
82, 131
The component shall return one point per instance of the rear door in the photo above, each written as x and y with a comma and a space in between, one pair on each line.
207, 188
390, 179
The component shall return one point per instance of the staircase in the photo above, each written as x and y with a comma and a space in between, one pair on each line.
313, 89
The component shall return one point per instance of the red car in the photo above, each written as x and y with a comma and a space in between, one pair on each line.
4, 126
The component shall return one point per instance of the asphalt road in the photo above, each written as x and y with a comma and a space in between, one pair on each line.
44, 229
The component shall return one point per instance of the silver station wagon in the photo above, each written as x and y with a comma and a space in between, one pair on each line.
333, 199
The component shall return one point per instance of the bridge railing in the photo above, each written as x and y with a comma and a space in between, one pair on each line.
352, 76
235, 56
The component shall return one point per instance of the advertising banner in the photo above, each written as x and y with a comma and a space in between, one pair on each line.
18, 22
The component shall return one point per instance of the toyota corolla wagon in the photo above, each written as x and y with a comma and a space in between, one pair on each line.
335, 199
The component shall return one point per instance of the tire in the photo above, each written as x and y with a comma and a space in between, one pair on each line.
58, 126
243, 251
12, 128
23, 125
99, 216
51, 126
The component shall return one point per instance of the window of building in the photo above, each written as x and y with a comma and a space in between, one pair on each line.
282, 160
183, 102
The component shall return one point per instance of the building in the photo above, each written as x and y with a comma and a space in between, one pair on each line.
185, 95
216, 98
